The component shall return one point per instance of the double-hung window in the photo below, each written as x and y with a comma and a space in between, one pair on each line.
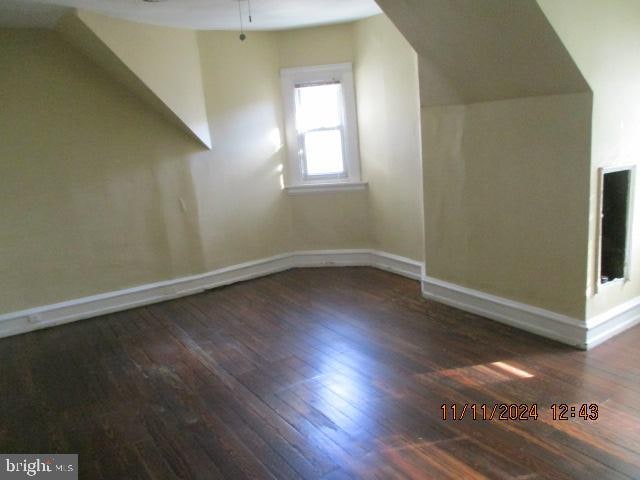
322, 135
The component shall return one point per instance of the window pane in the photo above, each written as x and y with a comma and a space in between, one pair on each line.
318, 106
323, 150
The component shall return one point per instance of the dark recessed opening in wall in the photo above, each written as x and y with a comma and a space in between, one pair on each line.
614, 246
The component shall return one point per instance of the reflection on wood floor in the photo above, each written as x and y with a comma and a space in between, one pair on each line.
315, 373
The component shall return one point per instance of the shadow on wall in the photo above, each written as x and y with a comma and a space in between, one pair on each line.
243, 213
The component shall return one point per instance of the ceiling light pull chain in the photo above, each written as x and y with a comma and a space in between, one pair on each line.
250, 17
243, 37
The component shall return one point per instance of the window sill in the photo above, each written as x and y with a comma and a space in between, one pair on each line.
326, 188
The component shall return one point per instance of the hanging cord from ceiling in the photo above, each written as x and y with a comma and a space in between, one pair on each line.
243, 36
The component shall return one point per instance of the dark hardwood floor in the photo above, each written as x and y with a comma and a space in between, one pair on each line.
316, 373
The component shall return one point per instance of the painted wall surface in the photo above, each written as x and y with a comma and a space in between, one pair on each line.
316, 46
506, 150
386, 73
166, 59
243, 212
506, 185
95, 187
604, 40
325, 220
101, 193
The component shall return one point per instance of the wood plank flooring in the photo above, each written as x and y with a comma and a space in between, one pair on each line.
331, 373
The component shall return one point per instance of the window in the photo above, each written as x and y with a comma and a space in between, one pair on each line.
322, 135
615, 223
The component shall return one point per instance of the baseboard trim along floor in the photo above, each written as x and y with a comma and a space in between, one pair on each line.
82, 308
578, 333
571, 331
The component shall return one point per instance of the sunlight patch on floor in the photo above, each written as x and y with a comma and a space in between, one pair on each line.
483, 374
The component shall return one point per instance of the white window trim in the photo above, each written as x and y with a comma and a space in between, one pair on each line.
295, 181
326, 187
630, 216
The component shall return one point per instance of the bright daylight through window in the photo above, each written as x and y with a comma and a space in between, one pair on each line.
321, 128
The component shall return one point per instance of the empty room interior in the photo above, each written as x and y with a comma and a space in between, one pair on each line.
319, 239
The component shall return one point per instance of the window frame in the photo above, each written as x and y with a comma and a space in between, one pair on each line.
292, 78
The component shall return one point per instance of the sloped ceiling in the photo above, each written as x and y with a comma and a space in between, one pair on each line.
473, 51
160, 64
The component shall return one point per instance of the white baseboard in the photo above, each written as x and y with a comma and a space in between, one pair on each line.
79, 309
612, 322
565, 329
364, 258
396, 264
548, 324
525, 317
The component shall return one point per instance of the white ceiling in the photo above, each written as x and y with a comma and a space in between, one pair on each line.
198, 14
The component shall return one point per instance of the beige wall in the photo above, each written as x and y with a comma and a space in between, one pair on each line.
95, 188
316, 46
126, 194
506, 185
604, 40
101, 193
325, 220
388, 216
506, 149
243, 212
386, 73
